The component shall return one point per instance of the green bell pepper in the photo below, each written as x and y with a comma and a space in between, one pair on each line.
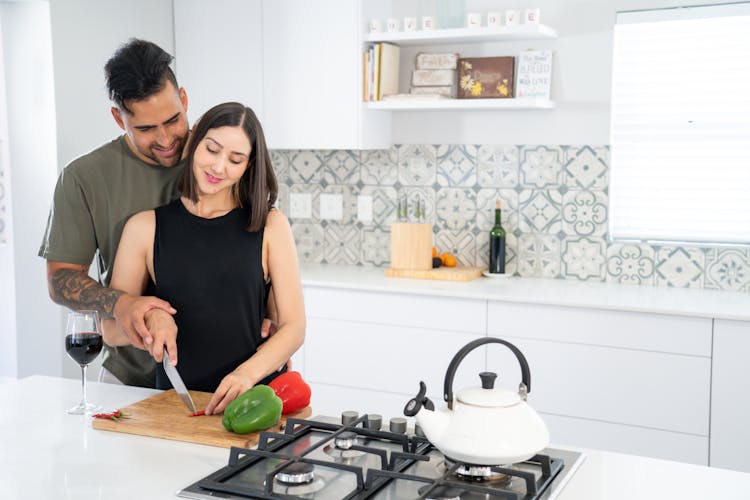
253, 410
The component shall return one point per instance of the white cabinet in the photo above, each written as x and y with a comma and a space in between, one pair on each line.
658, 385
295, 62
218, 53
312, 80
298, 64
368, 351
631, 382
730, 396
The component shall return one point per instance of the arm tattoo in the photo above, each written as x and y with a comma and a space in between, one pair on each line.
76, 290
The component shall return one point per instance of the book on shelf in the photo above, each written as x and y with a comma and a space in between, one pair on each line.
380, 71
446, 90
430, 60
389, 62
433, 77
534, 73
365, 83
376, 72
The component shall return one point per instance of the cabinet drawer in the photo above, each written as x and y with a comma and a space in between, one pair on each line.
438, 313
626, 386
626, 439
649, 332
730, 405
387, 358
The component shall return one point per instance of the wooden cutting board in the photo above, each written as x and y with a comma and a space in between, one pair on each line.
458, 273
164, 416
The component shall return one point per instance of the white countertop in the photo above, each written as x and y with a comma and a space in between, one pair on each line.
47, 454
652, 299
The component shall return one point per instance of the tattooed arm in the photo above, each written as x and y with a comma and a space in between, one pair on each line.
72, 287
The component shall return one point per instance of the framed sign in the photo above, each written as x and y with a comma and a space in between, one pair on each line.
485, 77
534, 73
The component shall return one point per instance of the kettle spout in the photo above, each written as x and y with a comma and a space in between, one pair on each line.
433, 423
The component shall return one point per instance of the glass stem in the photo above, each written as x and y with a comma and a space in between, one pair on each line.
83, 384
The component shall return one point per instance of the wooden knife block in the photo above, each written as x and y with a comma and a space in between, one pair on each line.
411, 246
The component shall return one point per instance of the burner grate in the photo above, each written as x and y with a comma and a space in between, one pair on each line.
549, 467
378, 464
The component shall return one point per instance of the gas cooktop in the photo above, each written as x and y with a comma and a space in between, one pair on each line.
356, 459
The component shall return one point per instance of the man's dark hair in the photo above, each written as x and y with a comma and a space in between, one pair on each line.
138, 70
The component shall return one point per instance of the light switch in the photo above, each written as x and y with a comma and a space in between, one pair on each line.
332, 206
364, 208
300, 205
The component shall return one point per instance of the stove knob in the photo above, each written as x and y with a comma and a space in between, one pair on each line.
398, 425
374, 421
418, 431
348, 417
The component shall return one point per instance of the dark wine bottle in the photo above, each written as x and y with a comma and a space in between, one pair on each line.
497, 244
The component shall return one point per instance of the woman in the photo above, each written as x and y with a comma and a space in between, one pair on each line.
212, 254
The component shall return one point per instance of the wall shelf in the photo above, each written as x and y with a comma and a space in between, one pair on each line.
460, 104
465, 35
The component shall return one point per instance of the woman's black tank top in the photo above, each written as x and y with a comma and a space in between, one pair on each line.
211, 271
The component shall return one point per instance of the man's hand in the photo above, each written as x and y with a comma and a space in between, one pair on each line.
129, 312
267, 329
163, 329
230, 387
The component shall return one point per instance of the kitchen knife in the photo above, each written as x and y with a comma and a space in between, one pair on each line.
177, 383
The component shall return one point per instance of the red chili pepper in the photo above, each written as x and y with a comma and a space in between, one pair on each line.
198, 413
293, 391
115, 415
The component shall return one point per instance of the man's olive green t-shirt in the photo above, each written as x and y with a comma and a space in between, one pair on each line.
94, 197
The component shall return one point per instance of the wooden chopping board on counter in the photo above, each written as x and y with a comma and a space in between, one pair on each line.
164, 416
458, 273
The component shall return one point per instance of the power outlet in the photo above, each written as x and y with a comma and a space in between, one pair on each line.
332, 206
300, 205
364, 208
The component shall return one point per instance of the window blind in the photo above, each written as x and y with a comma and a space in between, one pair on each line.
680, 125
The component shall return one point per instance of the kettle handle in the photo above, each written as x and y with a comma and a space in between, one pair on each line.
525, 387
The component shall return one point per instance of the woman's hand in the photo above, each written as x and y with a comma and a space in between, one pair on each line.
230, 387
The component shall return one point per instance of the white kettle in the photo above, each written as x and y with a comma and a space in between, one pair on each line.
484, 425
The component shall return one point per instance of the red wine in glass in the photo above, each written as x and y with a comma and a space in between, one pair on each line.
83, 343
83, 347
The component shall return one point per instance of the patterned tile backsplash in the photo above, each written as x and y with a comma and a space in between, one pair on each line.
555, 213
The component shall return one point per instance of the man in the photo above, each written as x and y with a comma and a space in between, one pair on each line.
97, 193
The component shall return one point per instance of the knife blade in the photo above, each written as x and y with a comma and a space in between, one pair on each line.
177, 383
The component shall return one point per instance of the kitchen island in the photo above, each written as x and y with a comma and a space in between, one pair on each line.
47, 454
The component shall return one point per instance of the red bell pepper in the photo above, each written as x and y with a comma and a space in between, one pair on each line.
293, 391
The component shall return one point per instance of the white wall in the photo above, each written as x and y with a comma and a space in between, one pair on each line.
32, 155
75, 37
8, 352
581, 79
85, 34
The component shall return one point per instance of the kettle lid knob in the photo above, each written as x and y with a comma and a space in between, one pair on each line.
488, 379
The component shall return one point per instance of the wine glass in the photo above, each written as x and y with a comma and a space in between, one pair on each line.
83, 343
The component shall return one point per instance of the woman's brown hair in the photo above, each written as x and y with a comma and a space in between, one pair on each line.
257, 188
